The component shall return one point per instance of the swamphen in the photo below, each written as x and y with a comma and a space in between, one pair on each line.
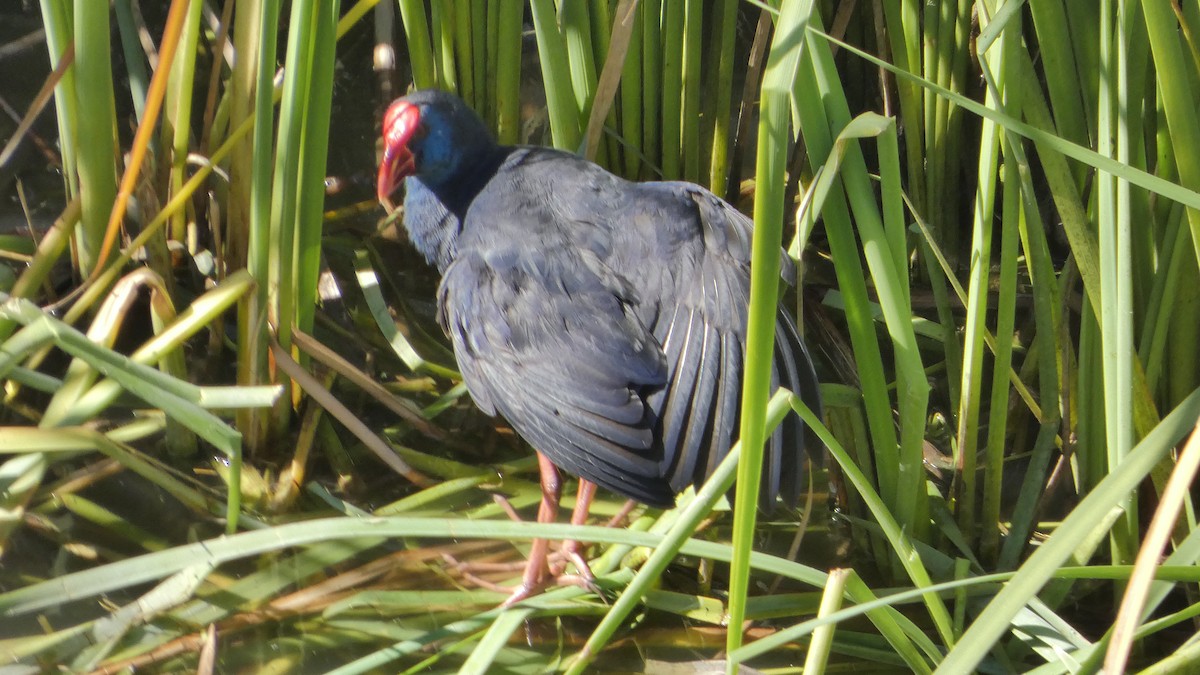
604, 319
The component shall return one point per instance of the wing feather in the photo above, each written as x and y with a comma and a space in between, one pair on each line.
683, 367
705, 299
550, 345
615, 345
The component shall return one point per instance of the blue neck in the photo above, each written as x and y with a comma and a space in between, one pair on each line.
434, 211
432, 226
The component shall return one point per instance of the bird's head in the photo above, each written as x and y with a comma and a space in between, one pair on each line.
430, 134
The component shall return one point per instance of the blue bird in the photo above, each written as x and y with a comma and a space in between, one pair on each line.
605, 320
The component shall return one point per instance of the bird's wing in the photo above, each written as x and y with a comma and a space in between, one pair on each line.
615, 342
695, 303
546, 337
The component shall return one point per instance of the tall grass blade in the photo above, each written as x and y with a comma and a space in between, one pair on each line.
1097, 511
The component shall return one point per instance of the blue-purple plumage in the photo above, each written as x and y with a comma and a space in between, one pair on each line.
604, 319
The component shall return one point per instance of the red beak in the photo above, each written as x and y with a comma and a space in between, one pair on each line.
399, 125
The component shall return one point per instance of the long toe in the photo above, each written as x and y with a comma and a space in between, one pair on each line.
572, 551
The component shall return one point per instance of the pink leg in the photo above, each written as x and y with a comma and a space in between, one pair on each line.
571, 548
621, 515
536, 568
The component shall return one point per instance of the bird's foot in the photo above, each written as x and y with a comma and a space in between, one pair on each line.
478, 581
557, 559
542, 567
508, 508
521, 592
532, 582
571, 551
524, 591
